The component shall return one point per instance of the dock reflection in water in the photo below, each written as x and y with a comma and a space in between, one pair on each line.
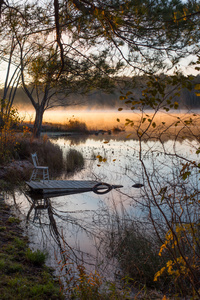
70, 237
39, 207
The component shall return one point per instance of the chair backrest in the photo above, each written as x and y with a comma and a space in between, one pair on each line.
35, 159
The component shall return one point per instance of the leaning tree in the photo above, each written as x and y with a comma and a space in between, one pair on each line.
48, 77
79, 43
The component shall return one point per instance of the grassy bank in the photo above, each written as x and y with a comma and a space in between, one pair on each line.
23, 274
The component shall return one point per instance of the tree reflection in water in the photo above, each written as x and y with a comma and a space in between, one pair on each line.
47, 218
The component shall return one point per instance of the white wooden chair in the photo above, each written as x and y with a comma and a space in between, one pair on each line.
39, 169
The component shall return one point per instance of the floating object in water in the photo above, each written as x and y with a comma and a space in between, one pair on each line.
102, 188
138, 185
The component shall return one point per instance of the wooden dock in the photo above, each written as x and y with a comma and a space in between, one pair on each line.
68, 186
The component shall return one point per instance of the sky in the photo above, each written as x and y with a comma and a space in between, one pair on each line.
183, 66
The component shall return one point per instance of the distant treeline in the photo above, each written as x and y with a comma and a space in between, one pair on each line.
100, 100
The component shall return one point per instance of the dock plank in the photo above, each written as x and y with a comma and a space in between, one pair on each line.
61, 184
49, 186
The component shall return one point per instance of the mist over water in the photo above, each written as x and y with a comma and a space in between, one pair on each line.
95, 119
107, 119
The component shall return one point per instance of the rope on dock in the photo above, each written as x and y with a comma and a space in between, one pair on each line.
100, 190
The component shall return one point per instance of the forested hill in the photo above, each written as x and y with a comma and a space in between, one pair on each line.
101, 100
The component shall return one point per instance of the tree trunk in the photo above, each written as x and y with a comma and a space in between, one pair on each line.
37, 128
1, 120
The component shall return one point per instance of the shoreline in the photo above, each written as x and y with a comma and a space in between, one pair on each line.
20, 276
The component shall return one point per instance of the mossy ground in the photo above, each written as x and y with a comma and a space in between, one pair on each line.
20, 278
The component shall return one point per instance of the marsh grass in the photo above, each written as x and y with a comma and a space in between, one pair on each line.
37, 257
15, 175
74, 125
19, 146
74, 160
51, 155
137, 255
48, 153
16, 168
85, 285
132, 248
20, 278
155, 259
118, 129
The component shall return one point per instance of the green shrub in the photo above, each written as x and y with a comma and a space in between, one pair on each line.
2, 264
74, 160
14, 220
2, 228
37, 257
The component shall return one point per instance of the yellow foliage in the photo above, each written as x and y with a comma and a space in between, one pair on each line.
159, 273
101, 159
185, 14
162, 248
175, 16
165, 298
180, 234
8, 139
45, 138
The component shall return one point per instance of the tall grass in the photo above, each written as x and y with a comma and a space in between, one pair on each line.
136, 252
76, 126
74, 160
48, 153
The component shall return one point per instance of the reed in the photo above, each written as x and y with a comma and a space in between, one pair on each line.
74, 161
76, 126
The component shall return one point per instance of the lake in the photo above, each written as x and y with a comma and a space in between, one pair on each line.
77, 226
